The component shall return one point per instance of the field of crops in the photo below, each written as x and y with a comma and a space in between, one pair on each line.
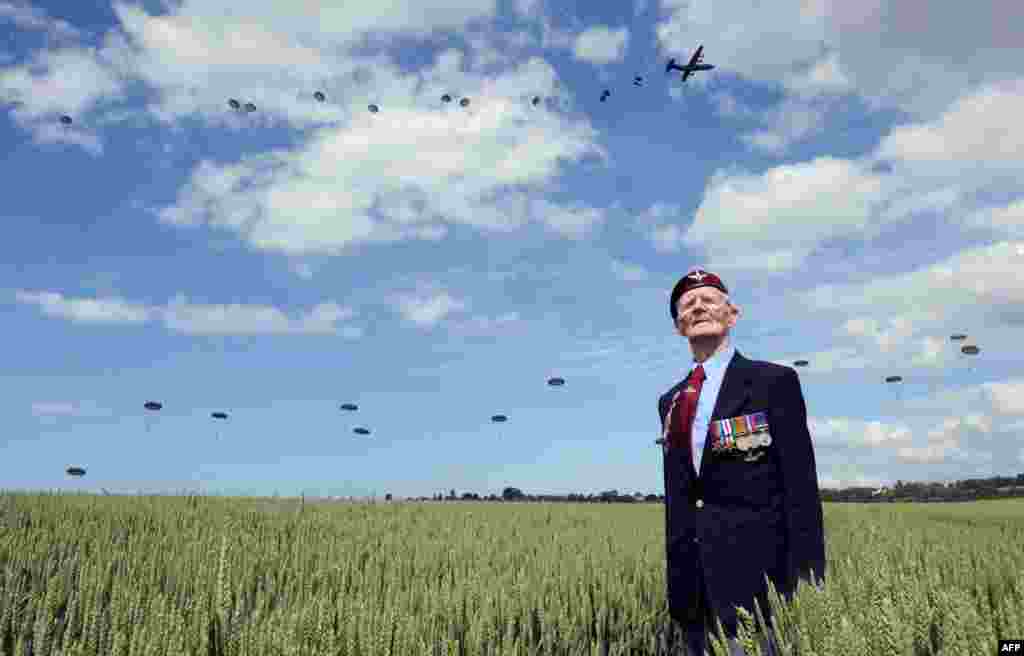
207, 575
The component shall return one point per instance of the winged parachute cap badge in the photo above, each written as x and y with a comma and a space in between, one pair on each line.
698, 275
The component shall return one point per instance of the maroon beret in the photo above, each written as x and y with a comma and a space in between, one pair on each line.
692, 280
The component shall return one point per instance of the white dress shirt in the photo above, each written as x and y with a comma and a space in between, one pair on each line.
714, 373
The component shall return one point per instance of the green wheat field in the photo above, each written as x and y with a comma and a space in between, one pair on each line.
135, 576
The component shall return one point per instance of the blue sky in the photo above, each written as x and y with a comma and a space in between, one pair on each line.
859, 193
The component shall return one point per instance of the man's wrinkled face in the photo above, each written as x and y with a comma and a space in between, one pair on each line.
705, 312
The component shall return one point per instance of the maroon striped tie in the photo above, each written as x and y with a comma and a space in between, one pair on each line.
682, 419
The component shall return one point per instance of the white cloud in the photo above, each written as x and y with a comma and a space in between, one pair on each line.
823, 75
954, 439
979, 135
1007, 397
985, 276
237, 319
844, 432
927, 455
428, 308
183, 317
601, 44
894, 54
841, 481
574, 221
886, 338
401, 174
86, 310
774, 220
70, 81
793, 120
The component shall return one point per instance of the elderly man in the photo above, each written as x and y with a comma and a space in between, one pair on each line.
741, 486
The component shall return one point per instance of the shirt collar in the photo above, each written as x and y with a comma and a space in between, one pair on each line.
717, 363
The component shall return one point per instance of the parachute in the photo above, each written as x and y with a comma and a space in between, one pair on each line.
801, 363
320, 97
464, 102
250, 107
536, 100
970, 349
221, 416
605, 94
893, 379
359, 430
77, 472
66, 120
958, 338
152, 406
499, 419
446, 98
351, 407
373, 108
556, 382
234, 104
638, 80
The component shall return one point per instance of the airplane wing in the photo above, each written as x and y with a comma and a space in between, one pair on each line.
687, 73
696, 56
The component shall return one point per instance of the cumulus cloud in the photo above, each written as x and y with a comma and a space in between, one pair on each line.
979, 136
180, 316
773, 221
72, 81
183, 317
1007, 397
847, 433
985, 275
971, 438
776, 220
428, 307
402, 174
791, 121
86, 310
601, 44
893, 54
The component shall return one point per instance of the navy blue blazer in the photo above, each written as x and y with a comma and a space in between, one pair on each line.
742, 520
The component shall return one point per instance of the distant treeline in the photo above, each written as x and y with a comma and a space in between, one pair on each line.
996, 487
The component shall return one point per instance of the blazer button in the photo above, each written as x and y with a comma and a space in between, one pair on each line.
700, 503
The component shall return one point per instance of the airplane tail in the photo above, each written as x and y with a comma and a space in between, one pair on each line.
670, 65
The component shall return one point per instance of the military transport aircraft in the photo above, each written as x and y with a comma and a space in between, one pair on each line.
694, 65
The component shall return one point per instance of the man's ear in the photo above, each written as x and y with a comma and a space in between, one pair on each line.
735, 314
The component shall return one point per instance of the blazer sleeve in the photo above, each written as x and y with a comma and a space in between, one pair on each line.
804, 522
